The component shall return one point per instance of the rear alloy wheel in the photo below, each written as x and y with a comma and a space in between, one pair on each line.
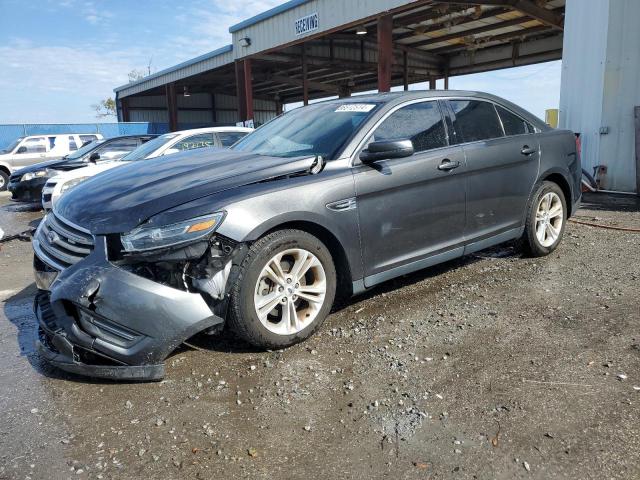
284, 291
546, 218
549, 219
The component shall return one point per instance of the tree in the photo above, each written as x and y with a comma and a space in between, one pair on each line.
106, 108
135, 75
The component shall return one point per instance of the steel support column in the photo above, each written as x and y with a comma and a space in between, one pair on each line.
172, 106
240, 91
248, 88
305, 75
385, 52
432, 83
125, 109
405, 70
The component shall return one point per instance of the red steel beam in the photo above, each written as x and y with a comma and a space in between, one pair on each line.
385, 52
240, 91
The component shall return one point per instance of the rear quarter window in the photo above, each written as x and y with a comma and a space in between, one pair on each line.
512, 123
476, 120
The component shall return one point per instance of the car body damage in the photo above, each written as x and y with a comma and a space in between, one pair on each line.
93, 314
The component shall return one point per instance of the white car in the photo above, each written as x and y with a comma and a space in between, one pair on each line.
25, 151
166, 144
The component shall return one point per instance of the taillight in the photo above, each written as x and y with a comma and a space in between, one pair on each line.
578, 147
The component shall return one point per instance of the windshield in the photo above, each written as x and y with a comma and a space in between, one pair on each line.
146, 149
13, 145
320, 129
84, 150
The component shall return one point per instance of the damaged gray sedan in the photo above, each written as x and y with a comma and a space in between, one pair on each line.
329, 199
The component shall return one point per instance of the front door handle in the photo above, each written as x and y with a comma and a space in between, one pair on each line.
447, 165
527, 150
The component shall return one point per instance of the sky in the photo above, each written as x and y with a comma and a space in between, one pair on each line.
59, 57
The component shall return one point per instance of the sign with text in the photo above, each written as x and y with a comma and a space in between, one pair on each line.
307, 24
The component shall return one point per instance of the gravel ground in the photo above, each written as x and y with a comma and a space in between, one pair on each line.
489, 367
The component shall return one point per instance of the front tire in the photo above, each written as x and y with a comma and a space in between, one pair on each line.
546, 219
284, 291
4, 180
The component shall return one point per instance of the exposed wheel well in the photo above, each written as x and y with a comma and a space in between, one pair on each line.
564, 186
344, 287
5, 169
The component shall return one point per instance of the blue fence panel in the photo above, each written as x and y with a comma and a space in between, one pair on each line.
9, 132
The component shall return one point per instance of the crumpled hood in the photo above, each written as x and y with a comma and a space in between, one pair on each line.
119, 199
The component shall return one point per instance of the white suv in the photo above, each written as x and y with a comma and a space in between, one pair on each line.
25, 151
166, 144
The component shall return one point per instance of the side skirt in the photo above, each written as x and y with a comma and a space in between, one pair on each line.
362, 285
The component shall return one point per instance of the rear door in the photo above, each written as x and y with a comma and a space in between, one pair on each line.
501, 168
411, 210
58, 146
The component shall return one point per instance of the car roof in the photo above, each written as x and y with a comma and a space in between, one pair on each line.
58, 135
213, 129
145, 135
394, 98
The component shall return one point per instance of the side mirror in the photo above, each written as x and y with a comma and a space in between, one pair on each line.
22, 150
386, 149
94, 157
171, 151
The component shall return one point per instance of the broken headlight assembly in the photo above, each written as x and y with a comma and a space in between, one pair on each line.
147, 237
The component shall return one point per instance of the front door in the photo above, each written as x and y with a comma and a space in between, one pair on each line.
411, 210
31, 150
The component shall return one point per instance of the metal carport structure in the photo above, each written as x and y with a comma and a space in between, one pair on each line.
309, 49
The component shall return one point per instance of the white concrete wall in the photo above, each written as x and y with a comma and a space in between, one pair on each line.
601, 84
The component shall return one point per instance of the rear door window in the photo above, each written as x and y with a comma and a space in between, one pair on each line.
419, 122
73, 146
476, 120
201, 140
512, 123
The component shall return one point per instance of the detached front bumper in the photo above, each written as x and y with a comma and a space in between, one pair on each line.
99, 320
29, 191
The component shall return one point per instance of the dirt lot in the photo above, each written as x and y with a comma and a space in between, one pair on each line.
493, 366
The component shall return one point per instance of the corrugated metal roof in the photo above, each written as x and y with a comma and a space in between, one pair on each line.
202, 58
265, 15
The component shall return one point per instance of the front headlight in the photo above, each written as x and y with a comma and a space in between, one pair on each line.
150, 238
31, 175
71, 184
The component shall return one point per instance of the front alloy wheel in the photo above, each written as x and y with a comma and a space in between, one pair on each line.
290, 291
284, 289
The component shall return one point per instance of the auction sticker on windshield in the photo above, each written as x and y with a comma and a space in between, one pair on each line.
356, 107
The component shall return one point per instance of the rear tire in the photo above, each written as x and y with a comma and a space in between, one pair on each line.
272, 305
4, 180
546, 219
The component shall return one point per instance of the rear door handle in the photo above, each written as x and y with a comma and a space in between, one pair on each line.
447, 165
527, 150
